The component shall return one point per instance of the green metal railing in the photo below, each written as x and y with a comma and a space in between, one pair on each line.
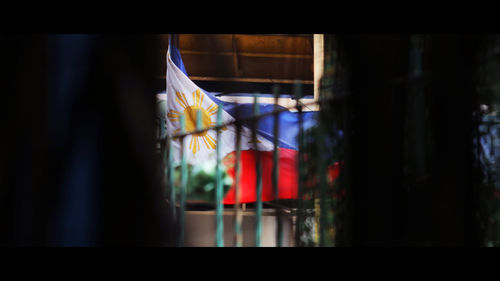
178, 205
238, 236
258, 172
275, 175
310, 212
219, 238
184, 178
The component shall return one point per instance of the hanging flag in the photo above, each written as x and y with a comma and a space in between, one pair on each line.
185, 97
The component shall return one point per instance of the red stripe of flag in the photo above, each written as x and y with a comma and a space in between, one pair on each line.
287, 182
288, 175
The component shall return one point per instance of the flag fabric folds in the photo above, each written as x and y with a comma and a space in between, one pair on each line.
185, 97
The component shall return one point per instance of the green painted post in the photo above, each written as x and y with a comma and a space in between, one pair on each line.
219, 237
170, 174
275, 172
184, 178
198, 119
238, 237
258, 170
164, 160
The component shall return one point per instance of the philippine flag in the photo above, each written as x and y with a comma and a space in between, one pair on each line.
185, 97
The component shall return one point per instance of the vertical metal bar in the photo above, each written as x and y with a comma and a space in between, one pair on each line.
198, 119
162, 127
300, 164
219, 236
164, 159
170, 175
184, 178
275, 172
238, 238
166, 176
258, 170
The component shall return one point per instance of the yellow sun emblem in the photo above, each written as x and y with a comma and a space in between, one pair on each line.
190, 113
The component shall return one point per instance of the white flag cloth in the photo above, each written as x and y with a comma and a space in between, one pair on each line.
185, 97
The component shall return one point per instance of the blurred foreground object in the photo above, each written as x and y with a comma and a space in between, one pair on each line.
77, 165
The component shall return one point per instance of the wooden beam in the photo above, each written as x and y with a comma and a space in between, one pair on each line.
276, 44
252, 80
246, 80
247, 54
285, 102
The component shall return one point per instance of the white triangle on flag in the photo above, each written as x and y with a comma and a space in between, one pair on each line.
185, 97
